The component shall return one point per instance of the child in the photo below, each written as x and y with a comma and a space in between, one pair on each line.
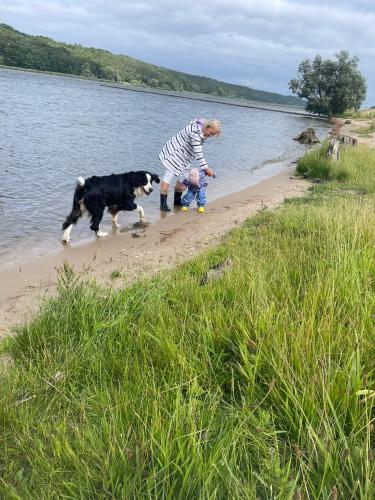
196, 189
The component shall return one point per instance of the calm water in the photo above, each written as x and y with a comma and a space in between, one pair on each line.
54, 129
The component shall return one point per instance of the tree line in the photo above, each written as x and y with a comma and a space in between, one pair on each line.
44, 54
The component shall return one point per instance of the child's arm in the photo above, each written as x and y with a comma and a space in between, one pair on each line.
209, 172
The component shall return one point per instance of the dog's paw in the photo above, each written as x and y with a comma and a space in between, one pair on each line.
101, 234
115, 225
65, 241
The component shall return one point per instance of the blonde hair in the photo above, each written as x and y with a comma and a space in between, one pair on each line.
215, 124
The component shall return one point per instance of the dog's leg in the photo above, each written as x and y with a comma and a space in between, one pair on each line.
96, 217
66, 234
114, 220
113, 210
70, 222
141, 213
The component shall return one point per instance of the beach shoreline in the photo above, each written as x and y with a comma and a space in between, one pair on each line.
33, 246
184, 94
141, 252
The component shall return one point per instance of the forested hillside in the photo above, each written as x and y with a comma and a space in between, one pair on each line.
44, 54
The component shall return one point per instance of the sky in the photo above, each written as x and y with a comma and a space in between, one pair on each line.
247, 42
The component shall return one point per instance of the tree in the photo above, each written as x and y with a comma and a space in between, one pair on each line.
86, 70
42, 53
330, 87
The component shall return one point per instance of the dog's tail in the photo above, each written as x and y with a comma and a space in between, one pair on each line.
78, 193
80, 181
77, 209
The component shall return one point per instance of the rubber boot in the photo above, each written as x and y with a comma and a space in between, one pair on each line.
177, 198
163, 203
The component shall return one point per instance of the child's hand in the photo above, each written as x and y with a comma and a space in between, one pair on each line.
209, 172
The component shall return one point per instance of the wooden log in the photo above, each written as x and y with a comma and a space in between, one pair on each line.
348, 139
333, 149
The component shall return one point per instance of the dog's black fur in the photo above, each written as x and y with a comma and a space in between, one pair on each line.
116, 192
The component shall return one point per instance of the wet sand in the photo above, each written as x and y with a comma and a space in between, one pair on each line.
141, 252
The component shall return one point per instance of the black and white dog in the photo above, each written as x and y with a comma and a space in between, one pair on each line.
116, 192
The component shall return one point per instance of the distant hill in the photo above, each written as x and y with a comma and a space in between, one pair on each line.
44, 54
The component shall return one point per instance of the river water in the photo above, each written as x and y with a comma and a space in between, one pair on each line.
54, 129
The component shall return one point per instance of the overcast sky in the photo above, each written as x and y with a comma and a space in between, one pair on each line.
248, 42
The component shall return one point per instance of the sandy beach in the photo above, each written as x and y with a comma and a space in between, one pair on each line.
144, 251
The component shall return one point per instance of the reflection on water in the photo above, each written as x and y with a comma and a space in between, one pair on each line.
56, 128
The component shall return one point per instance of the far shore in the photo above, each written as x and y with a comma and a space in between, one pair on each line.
230, 101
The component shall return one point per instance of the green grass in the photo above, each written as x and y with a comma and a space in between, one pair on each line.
354, 171
370, 129
116, 273
246, 387
363, 114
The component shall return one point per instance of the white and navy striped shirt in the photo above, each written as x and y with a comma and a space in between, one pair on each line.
184, 147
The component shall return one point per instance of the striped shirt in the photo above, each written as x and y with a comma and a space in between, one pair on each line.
186, 146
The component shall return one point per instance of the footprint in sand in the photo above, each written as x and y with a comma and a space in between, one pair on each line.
168, 234
135, 229
141, 224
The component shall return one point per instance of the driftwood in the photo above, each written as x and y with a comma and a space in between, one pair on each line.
348, 139
333, 149
307, 137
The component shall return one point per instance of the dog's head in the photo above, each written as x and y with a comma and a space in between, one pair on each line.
142, 182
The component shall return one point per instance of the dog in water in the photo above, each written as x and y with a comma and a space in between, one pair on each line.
116, 192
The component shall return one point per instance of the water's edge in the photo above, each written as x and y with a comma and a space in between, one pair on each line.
261, 173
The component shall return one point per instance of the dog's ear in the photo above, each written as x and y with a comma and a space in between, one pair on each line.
155, 178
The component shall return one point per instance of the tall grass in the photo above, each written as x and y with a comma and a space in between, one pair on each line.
259, 384
355, 169
367, 130
363, 114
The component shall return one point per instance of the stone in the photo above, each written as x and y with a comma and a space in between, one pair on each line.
308, 136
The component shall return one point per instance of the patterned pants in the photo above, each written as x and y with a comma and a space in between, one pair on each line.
198, 195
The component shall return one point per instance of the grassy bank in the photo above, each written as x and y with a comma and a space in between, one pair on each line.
362, 114
258, 384
367, 130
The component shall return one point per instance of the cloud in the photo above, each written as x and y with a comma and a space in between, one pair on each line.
239, 41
